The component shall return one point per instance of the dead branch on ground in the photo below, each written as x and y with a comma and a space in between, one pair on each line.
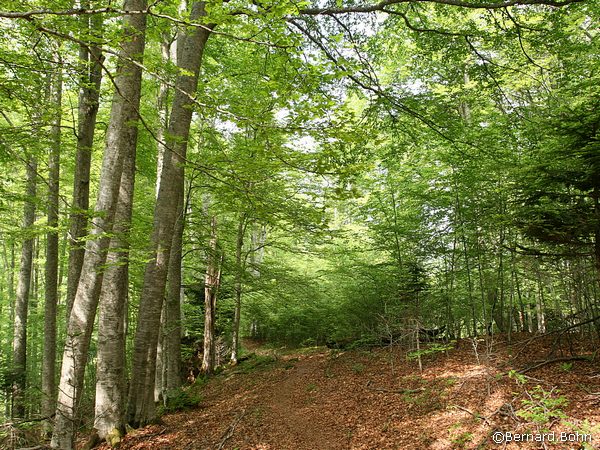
550, 361
392, 391
230, 430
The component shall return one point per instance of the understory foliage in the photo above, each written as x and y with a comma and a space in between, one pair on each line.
350, 176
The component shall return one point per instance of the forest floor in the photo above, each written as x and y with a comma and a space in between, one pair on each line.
320, 399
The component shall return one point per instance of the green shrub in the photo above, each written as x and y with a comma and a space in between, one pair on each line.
256, 362
431, 350
180, 399
542, 406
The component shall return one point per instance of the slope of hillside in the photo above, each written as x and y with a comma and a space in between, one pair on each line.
323, 399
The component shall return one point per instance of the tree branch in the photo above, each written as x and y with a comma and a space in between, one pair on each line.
381, 6
316, 11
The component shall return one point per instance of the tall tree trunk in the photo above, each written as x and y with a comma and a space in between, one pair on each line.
596, 199
172, 330
22, 297
239, 272
141, 408
453, 328
211, 288
461, 224
258, 239
121, 135
90, 59
51, 277
168, 360
110, 373
492, 294
168, 48
9, 269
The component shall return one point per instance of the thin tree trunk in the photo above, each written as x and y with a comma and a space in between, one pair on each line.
239, 272
22, 297
110, 373
211, 286
33, 342
502, 324
467, 264
488, 324
121, 135
51, 277
141, 408
529, 315
596, 200
517, 287
90, 59
9, 264
541, 317
452, 329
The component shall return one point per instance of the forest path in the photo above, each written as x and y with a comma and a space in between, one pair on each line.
322, 400
290, 406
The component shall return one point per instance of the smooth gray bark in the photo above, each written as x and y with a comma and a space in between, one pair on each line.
258, 239
51, 271
90, 58
239, 272
168, 357
191, 43
22, 295
211, 288
123, 118
172, 329
168, 48
110, 367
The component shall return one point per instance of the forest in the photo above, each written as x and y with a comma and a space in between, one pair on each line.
184, 181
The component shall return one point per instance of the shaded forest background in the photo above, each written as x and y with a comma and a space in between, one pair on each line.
176, 176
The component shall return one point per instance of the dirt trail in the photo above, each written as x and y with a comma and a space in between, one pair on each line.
291, 407
365, 400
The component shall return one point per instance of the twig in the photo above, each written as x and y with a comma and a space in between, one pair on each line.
550, 361
560, 331
393, 391
476, 415
33, 419
538, 380
587, 390
151, 435
506, 410
229, 433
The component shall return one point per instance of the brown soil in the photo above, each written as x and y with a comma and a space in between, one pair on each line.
320, 400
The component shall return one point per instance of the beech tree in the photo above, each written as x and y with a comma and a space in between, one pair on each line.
120, 139
90, 73
52, 250
22, 294
170, 194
